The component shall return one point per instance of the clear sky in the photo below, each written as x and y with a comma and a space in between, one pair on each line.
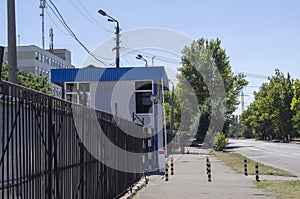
258, 35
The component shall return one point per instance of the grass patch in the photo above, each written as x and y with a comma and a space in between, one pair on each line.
285, 189
236, 161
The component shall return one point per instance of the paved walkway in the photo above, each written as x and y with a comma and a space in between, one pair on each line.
190, 181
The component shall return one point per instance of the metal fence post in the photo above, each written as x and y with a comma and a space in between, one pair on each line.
50, 128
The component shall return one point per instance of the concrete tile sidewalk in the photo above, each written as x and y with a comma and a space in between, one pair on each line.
190, 181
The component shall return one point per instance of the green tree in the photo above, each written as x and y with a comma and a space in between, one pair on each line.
220, 141
30, 80
295, 106
209, 58
168, 108
269, 115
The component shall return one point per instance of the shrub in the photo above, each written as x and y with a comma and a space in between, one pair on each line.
220, 141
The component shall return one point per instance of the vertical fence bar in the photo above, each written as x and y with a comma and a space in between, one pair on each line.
8, 114
50, 131
81, 171
2, 163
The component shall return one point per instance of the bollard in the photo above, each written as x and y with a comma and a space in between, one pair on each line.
166, 170
207, 162
207, 159
146, 180
130, 188
245, 167
209, 171
172, 166
256, 172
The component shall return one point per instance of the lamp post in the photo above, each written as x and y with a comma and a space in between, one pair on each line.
153, 60
172, 113
172, 110
139, 56
117, 48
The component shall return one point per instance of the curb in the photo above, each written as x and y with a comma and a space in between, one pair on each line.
141, 184
136, 187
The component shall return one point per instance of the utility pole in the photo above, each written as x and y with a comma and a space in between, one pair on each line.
11, 37
117, 45
172, 110
164, 117
51, 35
172, 117
243, 100
42, 6
153, 60
117, 48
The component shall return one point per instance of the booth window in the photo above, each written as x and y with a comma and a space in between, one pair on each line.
143, 102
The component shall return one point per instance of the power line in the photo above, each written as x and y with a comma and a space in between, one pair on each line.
150, 55
94, 21
48, 14
253, 75
72, 34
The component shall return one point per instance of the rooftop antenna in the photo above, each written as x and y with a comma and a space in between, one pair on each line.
51, 35
42, 6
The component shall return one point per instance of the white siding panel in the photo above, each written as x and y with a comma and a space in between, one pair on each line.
106, 94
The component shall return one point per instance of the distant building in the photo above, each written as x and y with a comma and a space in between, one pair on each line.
134, 93
40, 62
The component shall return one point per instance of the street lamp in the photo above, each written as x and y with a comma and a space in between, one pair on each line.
172, 109
139, 56
117, 48
153, 60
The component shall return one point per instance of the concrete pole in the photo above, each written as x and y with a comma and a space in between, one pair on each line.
172, 117
117, 45
11, 37
164, 117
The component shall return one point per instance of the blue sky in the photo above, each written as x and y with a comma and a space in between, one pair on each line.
258, 35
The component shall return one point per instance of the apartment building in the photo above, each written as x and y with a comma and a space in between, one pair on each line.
40, 62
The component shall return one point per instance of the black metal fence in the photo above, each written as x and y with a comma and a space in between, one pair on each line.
46, 152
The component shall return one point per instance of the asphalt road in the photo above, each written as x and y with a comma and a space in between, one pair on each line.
285, 156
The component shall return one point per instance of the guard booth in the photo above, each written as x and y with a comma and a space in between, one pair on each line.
133, 93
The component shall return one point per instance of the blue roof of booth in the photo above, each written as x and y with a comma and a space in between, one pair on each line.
95, 74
